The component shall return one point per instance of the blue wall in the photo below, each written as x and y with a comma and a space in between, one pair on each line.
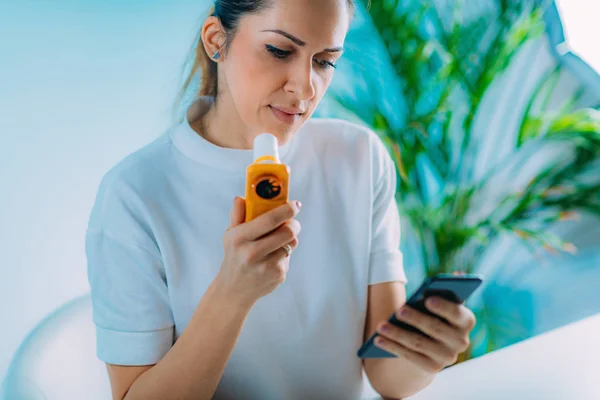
82, 84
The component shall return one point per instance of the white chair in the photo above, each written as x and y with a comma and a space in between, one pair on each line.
57, 360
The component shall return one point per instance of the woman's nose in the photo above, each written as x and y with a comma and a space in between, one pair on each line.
300, 81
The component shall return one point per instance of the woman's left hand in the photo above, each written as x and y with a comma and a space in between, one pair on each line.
445, 341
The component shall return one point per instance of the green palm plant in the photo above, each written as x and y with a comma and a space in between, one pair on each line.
443, 64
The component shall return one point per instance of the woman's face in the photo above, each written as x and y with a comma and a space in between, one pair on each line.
281, 62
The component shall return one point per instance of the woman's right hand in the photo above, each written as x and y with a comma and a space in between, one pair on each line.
255, 262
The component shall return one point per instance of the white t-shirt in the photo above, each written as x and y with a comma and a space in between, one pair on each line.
154, 245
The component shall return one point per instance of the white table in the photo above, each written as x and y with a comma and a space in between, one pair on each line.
562, 364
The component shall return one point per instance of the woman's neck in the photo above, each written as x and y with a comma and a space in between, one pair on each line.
222, 126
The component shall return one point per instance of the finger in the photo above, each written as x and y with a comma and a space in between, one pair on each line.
269, 221
435, 350
432, 327
238, 212
280, 253
286, 233
399, 350
456, 314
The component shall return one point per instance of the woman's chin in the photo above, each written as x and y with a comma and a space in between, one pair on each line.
282, 137
282, 133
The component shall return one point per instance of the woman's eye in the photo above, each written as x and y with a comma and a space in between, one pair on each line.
326, 64
278, 53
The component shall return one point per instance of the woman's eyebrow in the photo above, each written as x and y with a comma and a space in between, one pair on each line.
301, 42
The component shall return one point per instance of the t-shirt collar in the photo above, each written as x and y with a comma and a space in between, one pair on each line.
196, 147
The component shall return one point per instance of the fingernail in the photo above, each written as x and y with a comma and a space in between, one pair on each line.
298, 204
404, 313
433, 301
384, 328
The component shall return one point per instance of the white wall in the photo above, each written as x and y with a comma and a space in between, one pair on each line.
582, 30
82, 84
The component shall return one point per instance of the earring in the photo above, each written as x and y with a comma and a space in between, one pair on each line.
216, 56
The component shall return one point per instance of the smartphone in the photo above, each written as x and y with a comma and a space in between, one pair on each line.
455, 288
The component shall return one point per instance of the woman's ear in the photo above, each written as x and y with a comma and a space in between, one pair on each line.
213, 37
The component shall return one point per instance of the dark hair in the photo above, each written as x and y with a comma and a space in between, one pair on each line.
229, 13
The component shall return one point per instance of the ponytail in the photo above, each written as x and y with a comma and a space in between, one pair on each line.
203, 65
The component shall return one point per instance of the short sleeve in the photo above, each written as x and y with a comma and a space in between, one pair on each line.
131, 307
385, 258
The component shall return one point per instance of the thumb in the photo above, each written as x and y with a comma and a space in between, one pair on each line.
238, 212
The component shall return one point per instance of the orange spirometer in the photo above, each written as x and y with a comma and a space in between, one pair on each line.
267, 179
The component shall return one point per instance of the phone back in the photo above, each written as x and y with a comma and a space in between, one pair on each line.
454, 288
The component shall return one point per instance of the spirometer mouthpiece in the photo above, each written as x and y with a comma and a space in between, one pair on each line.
266, 144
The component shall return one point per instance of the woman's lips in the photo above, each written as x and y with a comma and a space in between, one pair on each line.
286, 116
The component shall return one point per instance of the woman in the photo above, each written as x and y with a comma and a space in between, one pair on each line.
191, 302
